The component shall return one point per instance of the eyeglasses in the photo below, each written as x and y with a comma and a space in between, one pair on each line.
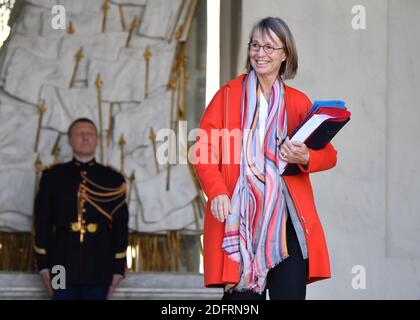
255, 46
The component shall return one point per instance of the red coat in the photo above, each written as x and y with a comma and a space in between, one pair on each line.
219, 178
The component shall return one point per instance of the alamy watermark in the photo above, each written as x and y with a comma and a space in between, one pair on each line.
58, 20
358, 281
58, 277
359, 20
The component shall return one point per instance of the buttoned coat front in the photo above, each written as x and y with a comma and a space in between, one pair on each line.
218, 176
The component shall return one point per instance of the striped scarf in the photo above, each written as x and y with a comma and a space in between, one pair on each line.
255, 231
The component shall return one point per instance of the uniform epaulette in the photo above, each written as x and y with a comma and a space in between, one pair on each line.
50, 166
113, 169
118, 172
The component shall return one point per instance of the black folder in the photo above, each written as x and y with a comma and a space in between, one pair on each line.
317, 140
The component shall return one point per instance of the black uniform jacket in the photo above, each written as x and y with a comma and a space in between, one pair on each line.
81, 222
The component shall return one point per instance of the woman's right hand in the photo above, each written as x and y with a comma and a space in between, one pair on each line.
220, 207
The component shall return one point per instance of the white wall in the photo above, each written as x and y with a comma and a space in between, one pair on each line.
367, 203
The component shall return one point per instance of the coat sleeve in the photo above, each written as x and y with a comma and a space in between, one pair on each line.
43, 221
322, 159
207, 149
120, 235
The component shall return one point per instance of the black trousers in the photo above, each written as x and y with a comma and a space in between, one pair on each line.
287, 280
82, 293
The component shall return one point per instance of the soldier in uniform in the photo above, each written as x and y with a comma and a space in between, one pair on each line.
81, 221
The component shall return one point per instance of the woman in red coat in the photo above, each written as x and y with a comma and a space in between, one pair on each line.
261, 228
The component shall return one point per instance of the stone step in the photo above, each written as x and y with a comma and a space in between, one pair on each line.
136, 286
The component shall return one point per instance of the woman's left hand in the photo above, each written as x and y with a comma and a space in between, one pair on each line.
294, 152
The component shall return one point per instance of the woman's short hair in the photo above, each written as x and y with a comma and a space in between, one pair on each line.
289, 67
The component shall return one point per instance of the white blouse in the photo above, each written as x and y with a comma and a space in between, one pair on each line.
262, 116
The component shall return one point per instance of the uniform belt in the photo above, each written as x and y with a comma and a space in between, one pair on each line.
90, 227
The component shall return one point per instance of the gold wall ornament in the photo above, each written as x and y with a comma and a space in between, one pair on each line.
179, 32
184, 78
183, 26
147, 56
173, 76
41, 110
70, 28
172, 87
122, 145
189, 18
110, 124
38, 165
178, 115
56, 153
180, 70
78, 57
134, 25
130, 186
184, 98
121, 14
105, 9
99, 84
180, 10
152, 137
